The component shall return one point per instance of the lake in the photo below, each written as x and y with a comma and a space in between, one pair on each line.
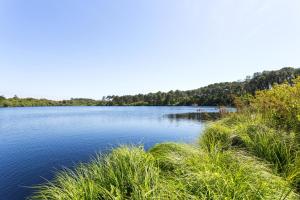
36, 142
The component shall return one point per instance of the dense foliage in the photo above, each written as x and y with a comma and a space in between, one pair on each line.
281, 105
211, 95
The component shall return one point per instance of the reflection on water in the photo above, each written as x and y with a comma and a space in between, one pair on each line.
195, 116
201, 114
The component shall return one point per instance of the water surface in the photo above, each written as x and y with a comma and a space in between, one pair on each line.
36, 142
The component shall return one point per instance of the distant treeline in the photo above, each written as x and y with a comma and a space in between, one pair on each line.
30, 102
212, 95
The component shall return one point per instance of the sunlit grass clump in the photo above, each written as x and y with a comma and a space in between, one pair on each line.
125, 173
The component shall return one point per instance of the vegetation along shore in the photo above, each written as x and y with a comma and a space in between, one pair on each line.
251, 154
218, 94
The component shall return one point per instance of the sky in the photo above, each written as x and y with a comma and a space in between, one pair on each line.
59, 49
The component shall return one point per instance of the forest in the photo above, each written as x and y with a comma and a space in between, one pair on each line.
218, 94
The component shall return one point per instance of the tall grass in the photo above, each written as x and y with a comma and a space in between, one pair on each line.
278, 148
219, 175
263, 164
167, 171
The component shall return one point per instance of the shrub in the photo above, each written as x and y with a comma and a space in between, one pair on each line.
280, 106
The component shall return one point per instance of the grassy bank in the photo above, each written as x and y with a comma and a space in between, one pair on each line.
253, 154
169, 171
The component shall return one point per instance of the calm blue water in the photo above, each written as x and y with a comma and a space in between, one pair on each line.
36, 142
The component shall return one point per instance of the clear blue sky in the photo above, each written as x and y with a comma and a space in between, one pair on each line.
89, 48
